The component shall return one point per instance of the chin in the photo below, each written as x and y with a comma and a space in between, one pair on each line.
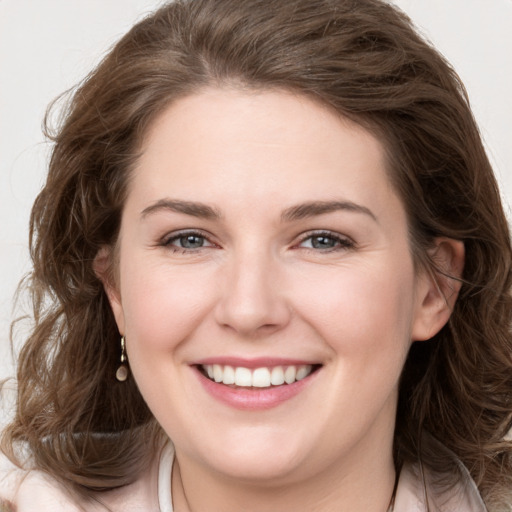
254, 456
267, 469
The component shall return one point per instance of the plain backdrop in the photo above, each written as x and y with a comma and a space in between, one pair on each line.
46, 46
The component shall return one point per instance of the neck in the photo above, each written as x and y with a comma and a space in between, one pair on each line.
365, 487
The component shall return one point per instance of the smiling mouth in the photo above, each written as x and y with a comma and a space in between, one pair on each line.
257, 378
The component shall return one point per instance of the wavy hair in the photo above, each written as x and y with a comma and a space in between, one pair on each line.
364, 59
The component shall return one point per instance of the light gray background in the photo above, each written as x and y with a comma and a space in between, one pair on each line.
46, 46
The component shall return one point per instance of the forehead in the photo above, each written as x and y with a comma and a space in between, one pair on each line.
258, 153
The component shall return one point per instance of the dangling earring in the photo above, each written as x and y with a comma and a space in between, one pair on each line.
122, 371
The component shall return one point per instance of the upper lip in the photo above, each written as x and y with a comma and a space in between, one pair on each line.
258, 362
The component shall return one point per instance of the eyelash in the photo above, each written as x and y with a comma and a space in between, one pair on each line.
339, 242
182, 235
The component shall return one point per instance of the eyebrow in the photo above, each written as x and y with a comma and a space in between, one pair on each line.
297, 212
187, 207
313, 208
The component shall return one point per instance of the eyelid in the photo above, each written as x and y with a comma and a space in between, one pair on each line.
168, 238
345, 242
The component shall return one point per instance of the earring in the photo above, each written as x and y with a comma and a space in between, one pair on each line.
122, 371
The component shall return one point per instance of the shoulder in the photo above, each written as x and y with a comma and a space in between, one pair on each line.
41, 492
422, 489
35, 491
11, 478
419, 491
30, 490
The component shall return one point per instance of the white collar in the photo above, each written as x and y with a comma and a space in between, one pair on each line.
164, 478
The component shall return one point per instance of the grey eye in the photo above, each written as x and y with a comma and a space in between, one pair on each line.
323, 242
190, 241
326, 241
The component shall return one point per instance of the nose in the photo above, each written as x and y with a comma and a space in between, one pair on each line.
252, 301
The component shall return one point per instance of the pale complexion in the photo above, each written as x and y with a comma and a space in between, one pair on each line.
262, 225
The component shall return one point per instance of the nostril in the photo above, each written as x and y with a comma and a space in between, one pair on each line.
252, 317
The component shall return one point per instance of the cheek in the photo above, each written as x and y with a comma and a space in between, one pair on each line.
163, 304
360, 309
365, 317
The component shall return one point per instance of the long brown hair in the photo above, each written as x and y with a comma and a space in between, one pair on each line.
364, 59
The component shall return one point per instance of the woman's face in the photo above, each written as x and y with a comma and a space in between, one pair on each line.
262, 242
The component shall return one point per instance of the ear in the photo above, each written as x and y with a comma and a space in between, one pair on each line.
103, 268
438, 288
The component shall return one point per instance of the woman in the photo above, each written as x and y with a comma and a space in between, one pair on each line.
270, 233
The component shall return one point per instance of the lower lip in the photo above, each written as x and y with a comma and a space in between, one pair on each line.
254, 399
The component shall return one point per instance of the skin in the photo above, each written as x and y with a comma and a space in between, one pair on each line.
261, 286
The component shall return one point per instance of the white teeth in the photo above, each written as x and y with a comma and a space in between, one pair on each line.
261, 378
217, 373
290, 374
302, 372
243, 377
258, 378
229, 375
277, 376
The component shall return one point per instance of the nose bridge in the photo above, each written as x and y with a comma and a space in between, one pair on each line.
252, 300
